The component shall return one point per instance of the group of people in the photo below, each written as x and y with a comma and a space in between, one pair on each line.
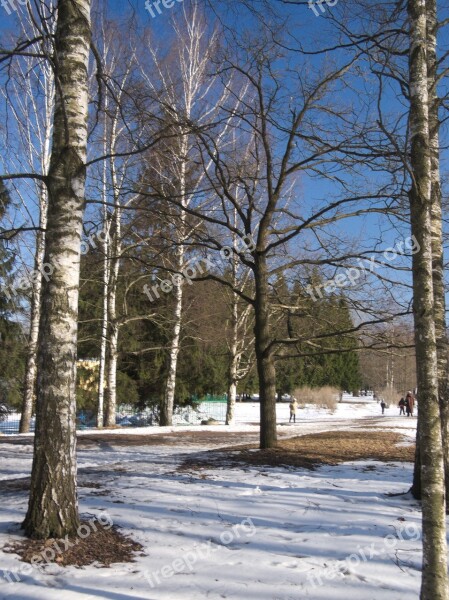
407, 404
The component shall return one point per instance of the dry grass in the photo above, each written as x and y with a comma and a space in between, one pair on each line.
390, 396
311, 451
324, 397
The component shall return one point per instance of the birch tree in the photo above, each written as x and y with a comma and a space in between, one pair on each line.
113, 255
240, 344
184, 89
30, 96
434, 577
53, 506
433, 78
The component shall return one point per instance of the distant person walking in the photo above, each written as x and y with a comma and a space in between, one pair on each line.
401, 407
383, 406
409, 404
293, 408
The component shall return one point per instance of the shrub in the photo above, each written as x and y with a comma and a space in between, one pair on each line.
390, 396
324, 397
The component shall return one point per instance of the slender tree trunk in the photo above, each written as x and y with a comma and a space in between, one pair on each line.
106, 275
167, 406
233, 364
115, 245
264, 357
53, 506
112, 354
168, 403
111, 376
104, 334
434, 576
29, 390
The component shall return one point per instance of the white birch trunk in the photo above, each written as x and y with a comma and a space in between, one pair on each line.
106, 275
104, 332
53, 505
434, 575
114, 327
167, 407
35, 311
37, 148
233, 365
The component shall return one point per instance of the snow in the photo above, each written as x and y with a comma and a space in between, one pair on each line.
260, 533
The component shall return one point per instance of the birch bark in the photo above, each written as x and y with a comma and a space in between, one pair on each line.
53, 506
434, 576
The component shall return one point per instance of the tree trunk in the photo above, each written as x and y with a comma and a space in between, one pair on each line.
264, 357
111, 376
437, 252
416, 485
434, 576
437, 231
168, 403
233, 364
104, 334
113, 331
29, 390
53, 507
167, 406
115, 245
106, 275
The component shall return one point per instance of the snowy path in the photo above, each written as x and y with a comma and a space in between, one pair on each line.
250, 533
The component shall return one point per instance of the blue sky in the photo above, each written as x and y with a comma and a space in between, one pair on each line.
311, 31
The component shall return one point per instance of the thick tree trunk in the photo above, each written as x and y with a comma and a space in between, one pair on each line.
264, 357
434, 576
437, 231
53, 508
437, 251
416, 485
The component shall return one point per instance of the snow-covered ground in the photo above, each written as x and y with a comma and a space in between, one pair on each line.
253, 533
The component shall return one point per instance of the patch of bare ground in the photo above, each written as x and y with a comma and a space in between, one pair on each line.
309, 451
102, 547
182, 438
